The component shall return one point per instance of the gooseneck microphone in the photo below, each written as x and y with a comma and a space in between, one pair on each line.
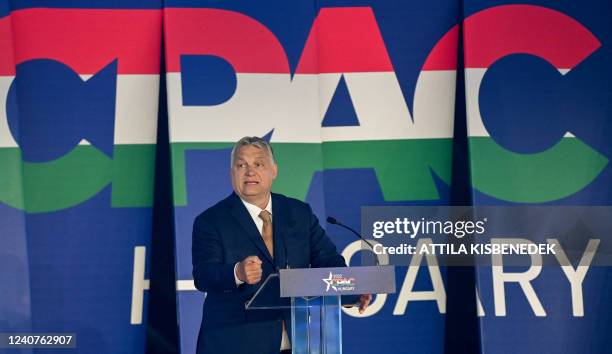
286, 253
335, 221
285, 247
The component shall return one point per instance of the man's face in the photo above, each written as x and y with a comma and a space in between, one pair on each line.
252, 174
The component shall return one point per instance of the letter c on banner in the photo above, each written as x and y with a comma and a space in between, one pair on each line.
492, 34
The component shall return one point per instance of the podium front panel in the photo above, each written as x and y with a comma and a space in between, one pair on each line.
316, 326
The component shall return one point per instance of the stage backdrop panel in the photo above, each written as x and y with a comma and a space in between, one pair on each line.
537, 83
358, 99
358, 103
78, 123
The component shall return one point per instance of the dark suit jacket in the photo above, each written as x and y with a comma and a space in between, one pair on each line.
226, 234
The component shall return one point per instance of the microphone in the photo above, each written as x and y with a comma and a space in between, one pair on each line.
286, 252
334, 221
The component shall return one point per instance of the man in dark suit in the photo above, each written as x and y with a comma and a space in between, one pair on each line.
239, 241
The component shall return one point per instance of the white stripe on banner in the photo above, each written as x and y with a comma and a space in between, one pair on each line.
136, 106
475, 124
295, 108
6, 138
136, 109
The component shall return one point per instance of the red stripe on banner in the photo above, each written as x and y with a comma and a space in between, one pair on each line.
444, 54
7, 62
87, 40
343, 40
510, 29
243, 42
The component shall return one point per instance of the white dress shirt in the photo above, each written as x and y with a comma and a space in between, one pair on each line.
254, 211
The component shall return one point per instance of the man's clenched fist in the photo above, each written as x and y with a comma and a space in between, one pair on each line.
249, 270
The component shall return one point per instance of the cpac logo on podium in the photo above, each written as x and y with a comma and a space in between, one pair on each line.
337, 282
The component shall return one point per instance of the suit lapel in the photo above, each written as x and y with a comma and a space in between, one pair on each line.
242, 216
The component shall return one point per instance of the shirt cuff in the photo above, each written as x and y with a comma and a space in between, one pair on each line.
238, 281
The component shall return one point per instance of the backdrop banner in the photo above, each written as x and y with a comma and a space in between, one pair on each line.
79, 89
358, 102
537, 83
363, 103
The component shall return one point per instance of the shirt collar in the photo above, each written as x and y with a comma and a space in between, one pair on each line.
254, 210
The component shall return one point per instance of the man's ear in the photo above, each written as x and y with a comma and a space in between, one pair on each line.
274, 171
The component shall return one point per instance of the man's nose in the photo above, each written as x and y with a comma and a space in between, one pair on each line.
249, 170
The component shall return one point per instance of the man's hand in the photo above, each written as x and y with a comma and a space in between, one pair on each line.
249, 270
363, 302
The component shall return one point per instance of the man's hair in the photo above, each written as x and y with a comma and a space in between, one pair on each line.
253, 141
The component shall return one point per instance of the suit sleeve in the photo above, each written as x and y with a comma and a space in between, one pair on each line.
210, 273
323, 252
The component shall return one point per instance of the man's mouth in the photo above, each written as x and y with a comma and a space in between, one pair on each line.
251, 183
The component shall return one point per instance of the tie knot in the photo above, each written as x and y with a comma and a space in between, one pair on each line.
265, 216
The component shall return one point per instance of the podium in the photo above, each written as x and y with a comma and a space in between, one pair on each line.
315, 297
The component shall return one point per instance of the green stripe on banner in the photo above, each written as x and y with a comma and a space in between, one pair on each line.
177, 155
11, 186
403, 167
133, 176
558, 172
78, 176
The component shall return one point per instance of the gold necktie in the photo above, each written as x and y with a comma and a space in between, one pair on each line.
266, 231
